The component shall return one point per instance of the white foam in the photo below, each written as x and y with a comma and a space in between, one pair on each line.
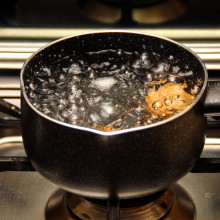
108, 109
104, 83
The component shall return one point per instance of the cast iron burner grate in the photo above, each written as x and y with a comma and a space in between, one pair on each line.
170, 204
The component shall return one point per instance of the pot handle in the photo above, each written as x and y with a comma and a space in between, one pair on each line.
207, 165
9, 109
212, 101
8, 163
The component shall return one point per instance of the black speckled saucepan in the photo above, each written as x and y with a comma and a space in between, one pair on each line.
125, 164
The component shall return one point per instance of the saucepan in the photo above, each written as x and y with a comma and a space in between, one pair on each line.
120, 164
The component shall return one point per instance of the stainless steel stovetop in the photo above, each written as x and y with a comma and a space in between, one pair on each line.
24, 195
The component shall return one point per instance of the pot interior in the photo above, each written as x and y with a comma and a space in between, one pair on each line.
151, 58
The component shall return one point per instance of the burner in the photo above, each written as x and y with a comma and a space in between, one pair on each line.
172, 204
131, 12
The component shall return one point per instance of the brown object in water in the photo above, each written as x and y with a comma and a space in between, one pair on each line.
170, 98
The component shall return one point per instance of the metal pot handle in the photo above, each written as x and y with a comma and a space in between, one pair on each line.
9, 163
9, 109
212, 101
207, 165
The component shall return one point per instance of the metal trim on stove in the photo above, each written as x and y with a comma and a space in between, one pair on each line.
8, 163
17, 44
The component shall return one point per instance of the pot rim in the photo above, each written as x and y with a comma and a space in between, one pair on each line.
112, 133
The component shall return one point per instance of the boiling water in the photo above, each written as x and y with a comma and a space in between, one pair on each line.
111, 89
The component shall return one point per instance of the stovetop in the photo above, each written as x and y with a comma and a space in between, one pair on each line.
24, 195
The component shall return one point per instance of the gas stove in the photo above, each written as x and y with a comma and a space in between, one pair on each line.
25, 27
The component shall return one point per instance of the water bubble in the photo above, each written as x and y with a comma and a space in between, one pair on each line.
92, 75
40, 79
74, 88
170, 57
35, 104
156, 105
154, 116
119, 52
189, 73
47, 71
51, 80
168, 101
182, 101
149, 121
71, 98
63, 101
138, 108
175, 97
74, 69
149, 77
161, 67
144, 56
38, 73
175, 69
119, 124
62, 77
114, 67
60, 107
32, 95
137, 64
65, 114
33, 86
195, 90
172, 78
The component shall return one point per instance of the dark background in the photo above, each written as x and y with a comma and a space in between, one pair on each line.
68, 13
